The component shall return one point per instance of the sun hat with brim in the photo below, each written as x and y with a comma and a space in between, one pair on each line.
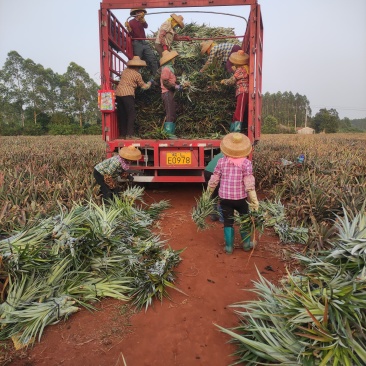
178, 19
136, 61
205, 46
135, 11
236, 145
167, 56
239, 58
130, 153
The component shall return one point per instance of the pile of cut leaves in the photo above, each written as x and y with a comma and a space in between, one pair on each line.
205, 108
317, 316
68, 261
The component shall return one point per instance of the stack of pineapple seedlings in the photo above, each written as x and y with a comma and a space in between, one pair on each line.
63, 262
205, 108
317, 316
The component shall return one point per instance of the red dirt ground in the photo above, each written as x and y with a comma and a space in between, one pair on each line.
180, 331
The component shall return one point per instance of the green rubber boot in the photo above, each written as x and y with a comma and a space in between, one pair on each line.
235, 126
229, 239
247, 244
169, 128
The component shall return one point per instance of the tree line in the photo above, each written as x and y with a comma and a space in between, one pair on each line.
35, 100
286, 112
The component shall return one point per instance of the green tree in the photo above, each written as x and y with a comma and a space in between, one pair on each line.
79, 93
270, 125
13, 84
326, 120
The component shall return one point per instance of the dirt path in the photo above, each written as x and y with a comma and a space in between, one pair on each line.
179, 332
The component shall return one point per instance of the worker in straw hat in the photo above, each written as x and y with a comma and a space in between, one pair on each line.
167, 34
221, 52
125, 96
168, 83
141, 47
106, 172
240, 78
234, 172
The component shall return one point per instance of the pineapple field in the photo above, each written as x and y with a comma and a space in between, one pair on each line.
111, 277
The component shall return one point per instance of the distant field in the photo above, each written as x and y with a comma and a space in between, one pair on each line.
39, 173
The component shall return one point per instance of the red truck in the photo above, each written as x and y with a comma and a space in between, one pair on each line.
181, 160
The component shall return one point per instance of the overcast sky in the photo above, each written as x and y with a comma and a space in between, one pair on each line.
315, 48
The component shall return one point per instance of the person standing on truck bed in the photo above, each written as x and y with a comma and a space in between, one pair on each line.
125, 96
234, 172
166, 34
220, 51
240, 78
141, 48
106, 172
168, 86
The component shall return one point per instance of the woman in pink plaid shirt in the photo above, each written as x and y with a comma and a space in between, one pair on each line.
234, 172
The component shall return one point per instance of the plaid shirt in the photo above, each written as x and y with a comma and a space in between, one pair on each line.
130, 80
220, 51
241, 79
235, 181
113, 166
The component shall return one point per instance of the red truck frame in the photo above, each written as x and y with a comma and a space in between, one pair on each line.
178, 160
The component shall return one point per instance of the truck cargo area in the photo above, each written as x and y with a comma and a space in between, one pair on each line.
178, 160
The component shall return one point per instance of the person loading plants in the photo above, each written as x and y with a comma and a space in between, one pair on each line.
220, 52
136, 27
240, 78
167, 34
125, 96
106, 172
234, 172
168, 86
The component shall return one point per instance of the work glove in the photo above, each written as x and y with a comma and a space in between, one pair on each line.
253, 200
165, 47
109, 181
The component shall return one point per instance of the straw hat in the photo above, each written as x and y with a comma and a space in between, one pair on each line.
205, 46
130, 153
135, 11
136, 61
239, 58
236, 145
178, 19
167, 56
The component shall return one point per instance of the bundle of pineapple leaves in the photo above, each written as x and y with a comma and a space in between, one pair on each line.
316, 316
205, 108
60, 263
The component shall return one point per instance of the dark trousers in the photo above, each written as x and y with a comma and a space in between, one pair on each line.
126, 115
228, 208
145, 52
169, 106
107, 193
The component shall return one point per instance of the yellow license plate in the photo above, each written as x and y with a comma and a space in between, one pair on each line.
179, 158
